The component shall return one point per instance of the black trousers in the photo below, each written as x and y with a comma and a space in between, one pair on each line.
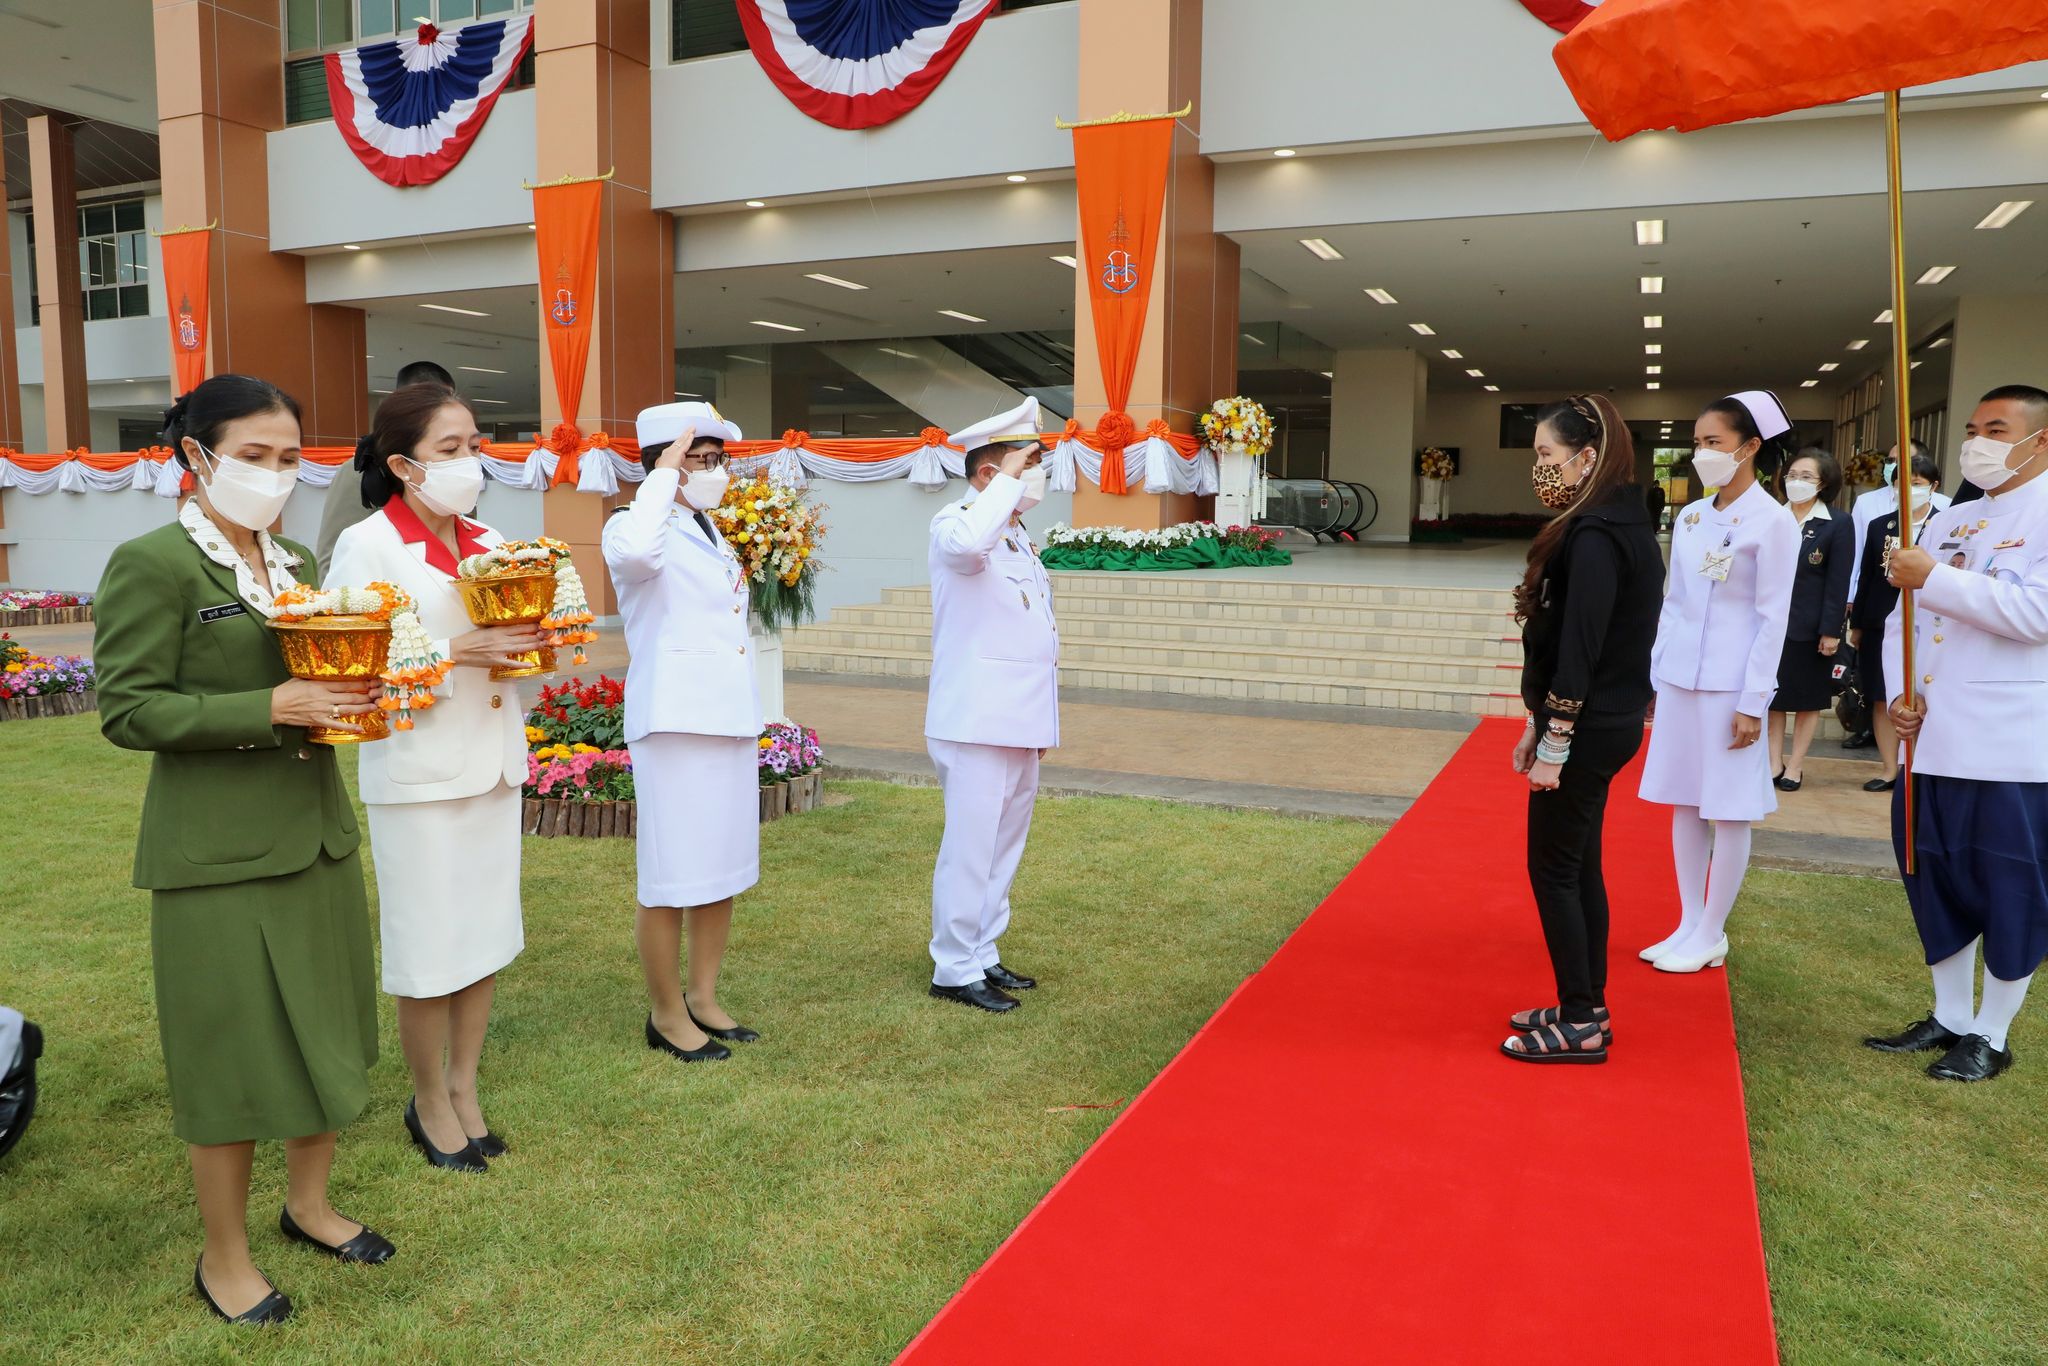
1564, 865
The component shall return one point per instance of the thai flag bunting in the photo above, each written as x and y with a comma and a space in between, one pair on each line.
858, 63
409, 109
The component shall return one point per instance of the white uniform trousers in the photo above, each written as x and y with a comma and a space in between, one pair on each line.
989, 792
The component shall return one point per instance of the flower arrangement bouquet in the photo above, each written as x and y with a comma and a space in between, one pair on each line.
776, 533
788, 751
524, 582
1863, 468
1437, 464
379, 636
1238, 426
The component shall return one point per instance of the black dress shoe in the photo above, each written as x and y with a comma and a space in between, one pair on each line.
463, 1159
1862, 739
1922, 1036
1880, 784
491, 1145
980, 995
18, 1089
1785, 784
275, 1307
714, 1051
367, 1248
739, 1033
1010, 981
1972, 1059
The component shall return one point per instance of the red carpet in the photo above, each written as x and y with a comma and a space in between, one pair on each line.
1340, 1168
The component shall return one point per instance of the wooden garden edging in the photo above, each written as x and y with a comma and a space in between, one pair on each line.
44, 616
52, 704
549, 816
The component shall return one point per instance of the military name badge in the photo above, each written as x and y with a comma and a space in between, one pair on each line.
2010, 545
209, 615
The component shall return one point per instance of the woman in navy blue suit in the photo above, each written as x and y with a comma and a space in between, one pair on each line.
1820, 610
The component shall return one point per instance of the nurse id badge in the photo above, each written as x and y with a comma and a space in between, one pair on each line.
1717, 564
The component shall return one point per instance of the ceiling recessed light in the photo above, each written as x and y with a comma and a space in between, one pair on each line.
750, 360
963, 317
533, 227
1069, 262
757, 203
824, 279
1327, 374
1653, 369
1649, 232
494, 402
1491, 388
480, 369
1653, 348
1450, 354
686, 393
350, 246
1915, 365
892, 351
1831, 367
1653, 284
1423, 329
1939, 342
1289, 151
380, 391
1255, 341
1380, 296
451, 308
1653, 320
1014, 179
1476, 374
1322, 249
1809, 384
1653, 384
1883, 317
779, 327
1859, 343
1935, 275
2006, 212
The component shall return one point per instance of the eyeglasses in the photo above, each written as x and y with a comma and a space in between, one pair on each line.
704, 462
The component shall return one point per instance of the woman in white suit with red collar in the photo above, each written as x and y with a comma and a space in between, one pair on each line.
443, 797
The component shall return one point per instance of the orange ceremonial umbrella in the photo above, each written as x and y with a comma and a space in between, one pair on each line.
1636, 65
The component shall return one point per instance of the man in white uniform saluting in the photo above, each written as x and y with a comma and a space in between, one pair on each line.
993, 709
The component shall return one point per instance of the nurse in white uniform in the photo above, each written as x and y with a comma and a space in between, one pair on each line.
993, 709
443, 797
1727, 597
693, 723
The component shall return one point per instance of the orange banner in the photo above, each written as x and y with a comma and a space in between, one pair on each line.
1120, 174
565, 234
186, 258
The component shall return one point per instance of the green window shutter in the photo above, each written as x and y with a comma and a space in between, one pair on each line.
704, 28
305, 91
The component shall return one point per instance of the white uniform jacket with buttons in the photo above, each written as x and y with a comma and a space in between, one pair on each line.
474, 736
995, 646
1980, 640
683, 596
1725, 634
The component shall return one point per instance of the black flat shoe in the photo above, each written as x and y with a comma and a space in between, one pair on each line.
980, 995
1784, 784
1880, 784
739, 1033
1922, 1036
713, 1051
1972, 1059
463, 1159
1860, 740
1000, 976
18, 1089
492, 1145
367, 1248
275, 1307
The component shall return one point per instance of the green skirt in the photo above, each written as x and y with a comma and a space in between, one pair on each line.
266, 1002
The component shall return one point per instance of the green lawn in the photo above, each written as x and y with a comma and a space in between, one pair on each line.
819, 1197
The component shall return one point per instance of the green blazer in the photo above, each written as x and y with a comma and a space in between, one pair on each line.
185, 672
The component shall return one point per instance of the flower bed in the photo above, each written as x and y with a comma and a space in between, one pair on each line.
33, 685
1191, 545
790, 757
22, 607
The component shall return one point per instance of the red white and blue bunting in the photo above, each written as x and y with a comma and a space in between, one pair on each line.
859, 63
1562, 15
410, 108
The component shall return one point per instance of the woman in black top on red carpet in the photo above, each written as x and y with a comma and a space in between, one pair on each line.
1588, 604
1875, 598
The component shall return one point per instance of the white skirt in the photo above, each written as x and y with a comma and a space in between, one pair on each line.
1690, 763
697, 817
447, 890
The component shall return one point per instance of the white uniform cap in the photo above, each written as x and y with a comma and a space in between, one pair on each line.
658, 426
1019, 424
1765, 411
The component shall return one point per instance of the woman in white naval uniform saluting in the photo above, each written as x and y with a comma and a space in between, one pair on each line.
443, 797
1727, 597
693, 723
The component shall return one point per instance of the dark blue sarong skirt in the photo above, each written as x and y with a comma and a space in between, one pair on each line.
1982, 869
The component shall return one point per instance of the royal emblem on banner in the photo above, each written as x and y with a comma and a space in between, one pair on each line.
563, 311
859, 63
1119, 271
409, 109
188, 325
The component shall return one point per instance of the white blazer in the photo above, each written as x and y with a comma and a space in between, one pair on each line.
1726, 634
1980, 640
474, 736
995, 645
683, 596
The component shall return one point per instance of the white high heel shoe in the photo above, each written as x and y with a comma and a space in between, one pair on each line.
1712, 958
1660, 948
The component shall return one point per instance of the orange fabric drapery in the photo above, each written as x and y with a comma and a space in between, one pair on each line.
1120, 176
187, 258
565, 220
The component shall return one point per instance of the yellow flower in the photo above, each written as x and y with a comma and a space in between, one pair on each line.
534, 735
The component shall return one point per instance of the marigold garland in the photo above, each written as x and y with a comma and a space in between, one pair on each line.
413, 668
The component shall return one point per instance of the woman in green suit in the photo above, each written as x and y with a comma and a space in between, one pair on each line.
259, 928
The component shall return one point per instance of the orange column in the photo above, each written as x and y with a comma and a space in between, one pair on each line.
1145, 56
594, 116
53, 192
220, 92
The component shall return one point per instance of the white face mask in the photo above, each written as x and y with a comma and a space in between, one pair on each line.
1034, 481
1891, 472
451, 487
248, 495
1984, 460
1922, 495
1716, 468
1801, 490
705, 489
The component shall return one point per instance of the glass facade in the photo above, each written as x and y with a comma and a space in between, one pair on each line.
113, 262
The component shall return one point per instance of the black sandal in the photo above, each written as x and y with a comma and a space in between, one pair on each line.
1522, 1021
1560, 1042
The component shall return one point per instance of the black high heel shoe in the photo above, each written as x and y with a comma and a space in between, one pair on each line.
492, 1145
713, 1051
275, 1307
367, 1248
739, 1033
463, 1159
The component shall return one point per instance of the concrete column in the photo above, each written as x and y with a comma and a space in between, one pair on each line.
1999, 339
1378, 402
53, 191
595, 115
220, 93
1145, 56
11, 433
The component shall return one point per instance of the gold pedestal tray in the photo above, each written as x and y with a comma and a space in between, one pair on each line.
517, 599
335, 650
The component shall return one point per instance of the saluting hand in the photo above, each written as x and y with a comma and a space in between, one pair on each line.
1013, 463
671, 457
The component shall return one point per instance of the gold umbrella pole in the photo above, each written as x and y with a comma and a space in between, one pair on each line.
1902, 369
